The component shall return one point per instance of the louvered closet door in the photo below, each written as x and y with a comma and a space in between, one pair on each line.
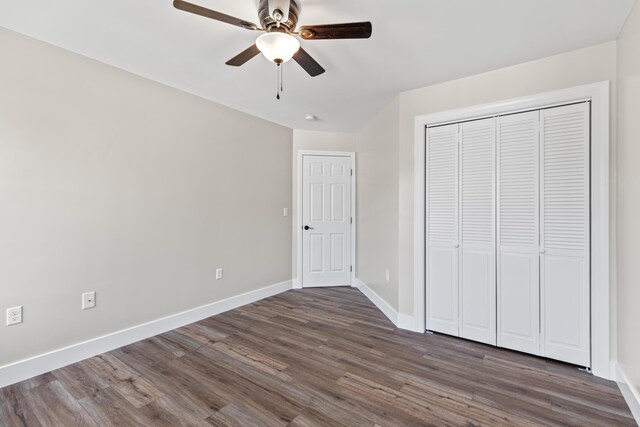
565, 280
477, 231
518, 232
442, 229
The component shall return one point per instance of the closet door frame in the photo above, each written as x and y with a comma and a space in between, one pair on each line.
598, 94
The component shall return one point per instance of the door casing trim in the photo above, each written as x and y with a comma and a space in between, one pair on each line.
297, 281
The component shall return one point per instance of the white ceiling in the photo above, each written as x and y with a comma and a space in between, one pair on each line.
415, 43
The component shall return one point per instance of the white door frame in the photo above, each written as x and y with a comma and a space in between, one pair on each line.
598, 94
297, 283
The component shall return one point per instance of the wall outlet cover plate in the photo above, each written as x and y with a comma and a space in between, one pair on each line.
88, 300
14, 315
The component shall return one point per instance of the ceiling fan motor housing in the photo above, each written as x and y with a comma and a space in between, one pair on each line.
269, 23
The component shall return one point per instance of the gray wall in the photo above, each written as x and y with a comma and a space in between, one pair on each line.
629, 198
377, 216
113, 183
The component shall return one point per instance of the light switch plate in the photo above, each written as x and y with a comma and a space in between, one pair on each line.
218, 273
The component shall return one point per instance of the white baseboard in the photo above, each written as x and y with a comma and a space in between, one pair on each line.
37, 365
629, 391
408, 323
384, 306
402, 321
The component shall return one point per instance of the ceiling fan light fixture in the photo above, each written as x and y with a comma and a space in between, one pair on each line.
278, 47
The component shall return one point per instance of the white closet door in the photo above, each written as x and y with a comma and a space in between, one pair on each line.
477, 231
442, 229
565, 234
518, 232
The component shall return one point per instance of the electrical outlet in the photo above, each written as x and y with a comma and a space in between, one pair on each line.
14, 315
88, 300
218, 273
386, 275
285, 212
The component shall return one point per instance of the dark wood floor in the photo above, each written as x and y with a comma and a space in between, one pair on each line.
323, 357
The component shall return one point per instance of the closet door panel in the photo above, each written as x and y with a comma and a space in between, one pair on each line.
519, 304
442, 230
565, 315
518, 232
565, 284
443, 290
478, 295
477, 231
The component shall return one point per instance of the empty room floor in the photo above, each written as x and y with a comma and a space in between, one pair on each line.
313, 357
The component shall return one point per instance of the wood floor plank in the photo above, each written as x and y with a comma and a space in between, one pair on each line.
319, 419
124, 379
108, 408
238, 416
586, 414
201, 333
274, 395
54, 406
199, 395
251, 357
14, 409
37, 381
173, 412
148, 352
312, 357
80, 380
471, 413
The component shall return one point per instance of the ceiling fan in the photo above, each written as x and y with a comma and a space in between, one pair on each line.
278, 19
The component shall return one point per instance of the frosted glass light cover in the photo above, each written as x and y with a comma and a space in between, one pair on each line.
276, 46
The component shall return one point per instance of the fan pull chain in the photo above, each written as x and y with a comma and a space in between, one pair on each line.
280, 80
280, 83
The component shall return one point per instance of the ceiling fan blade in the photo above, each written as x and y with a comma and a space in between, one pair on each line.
308, 63
354, 30
244, 56
208, 13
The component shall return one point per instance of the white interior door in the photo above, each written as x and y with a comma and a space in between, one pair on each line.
565, 284
326, 216
442, 230
518, 232
477, 231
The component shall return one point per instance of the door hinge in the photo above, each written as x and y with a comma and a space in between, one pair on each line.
351, 172
351, 268
351, 220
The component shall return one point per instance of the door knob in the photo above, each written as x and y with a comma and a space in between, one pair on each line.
306, 227
457, 245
